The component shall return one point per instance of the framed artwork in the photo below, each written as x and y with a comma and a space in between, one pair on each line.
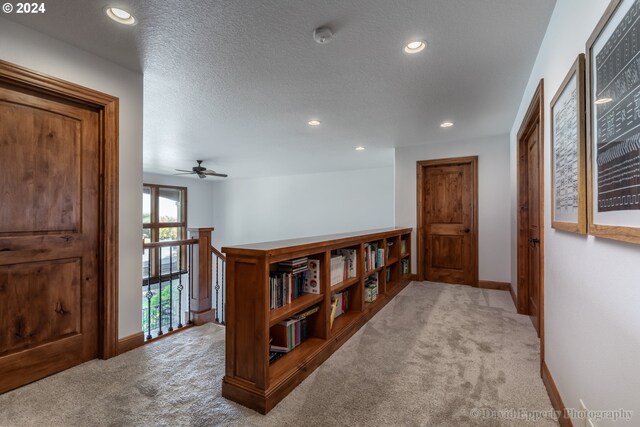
568, 151
613, 123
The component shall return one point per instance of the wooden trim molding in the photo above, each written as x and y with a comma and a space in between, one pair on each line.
108, 107
489, 284
554, 395
513, 296
534, 117
420, 246
131, 342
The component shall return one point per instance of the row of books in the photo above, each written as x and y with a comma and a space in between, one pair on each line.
285, 287
403, 246
339, 305
290, 333
343, 265
288, 282
373, 256
371, 288
404, 266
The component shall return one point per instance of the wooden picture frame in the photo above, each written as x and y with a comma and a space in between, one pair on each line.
568, 152
613, 124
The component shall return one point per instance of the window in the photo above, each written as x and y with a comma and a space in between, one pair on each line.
164, 218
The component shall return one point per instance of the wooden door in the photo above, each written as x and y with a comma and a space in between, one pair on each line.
533, 179
49, 235
449, 222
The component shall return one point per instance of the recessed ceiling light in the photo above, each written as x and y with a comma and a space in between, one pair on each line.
361, 148
602, 101
314, 122
446, 124
415, 46
120, 15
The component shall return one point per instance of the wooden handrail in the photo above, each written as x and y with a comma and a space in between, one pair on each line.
169, 243
218, 254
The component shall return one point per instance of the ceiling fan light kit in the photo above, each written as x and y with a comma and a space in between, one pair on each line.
201, 171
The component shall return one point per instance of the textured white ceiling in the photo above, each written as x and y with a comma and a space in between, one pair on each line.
235, 81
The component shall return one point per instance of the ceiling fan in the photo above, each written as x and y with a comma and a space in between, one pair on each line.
201, 171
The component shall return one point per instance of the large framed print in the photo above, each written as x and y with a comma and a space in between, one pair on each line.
568, 151
613, 121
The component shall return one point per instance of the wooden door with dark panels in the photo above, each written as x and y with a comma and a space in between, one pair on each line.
448, 220
49, 235
530, 214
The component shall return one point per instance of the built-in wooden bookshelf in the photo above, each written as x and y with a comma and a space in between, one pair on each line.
251, 326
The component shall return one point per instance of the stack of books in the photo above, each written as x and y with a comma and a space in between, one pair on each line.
337, 269
390, 248
371, 288
288, 282
404, 266
290, 333
350, 263
339, 305
373, 256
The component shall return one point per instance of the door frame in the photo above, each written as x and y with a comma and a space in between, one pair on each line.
421, 165
108, 108
533, 117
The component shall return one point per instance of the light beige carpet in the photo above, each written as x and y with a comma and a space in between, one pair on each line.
432, 357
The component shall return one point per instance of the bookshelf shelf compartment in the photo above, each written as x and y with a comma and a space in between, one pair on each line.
344, 285
370, 272
251, 327
377, 303
343, 321
298, 304
295, 357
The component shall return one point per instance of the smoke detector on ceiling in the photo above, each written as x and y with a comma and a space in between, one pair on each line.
322, 35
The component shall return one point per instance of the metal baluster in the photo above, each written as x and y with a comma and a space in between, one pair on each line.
217, 289
160, 294
170, 289
180, 288
149, 294
190, 282
224, 266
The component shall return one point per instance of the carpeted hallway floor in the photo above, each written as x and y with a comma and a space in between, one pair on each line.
432, 357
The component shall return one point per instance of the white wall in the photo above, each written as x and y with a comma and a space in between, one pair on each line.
275, 208
592, 285
199, 197
36, 51
493, 200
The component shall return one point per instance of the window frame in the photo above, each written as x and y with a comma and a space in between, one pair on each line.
155, 225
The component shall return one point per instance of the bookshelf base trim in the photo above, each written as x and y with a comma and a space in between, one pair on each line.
263, 401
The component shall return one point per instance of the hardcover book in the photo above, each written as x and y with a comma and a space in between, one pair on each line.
312, 277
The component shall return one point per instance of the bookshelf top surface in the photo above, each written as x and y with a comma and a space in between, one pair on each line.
321, 241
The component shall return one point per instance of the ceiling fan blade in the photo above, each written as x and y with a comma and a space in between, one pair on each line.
212, 173
182, 170
184, 173
201, 175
